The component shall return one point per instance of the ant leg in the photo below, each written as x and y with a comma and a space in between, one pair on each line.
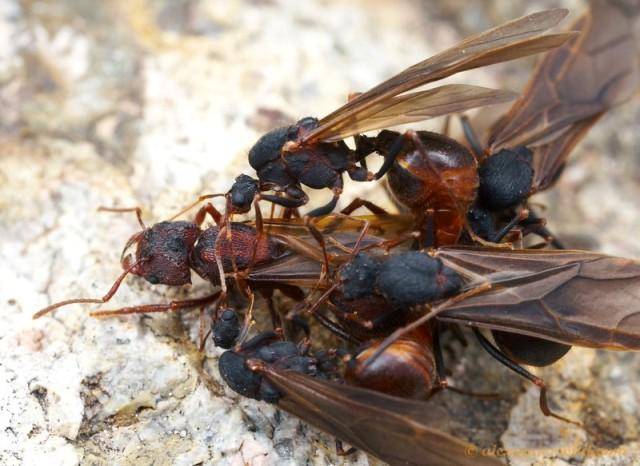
521, 371
505, 230
211, 210
328, 208
359, 202
137, 210
541, 230
446, 126
267, 294
193, 204
391, 155
320, 240
248, 319
443, 383
150, 308
472, 138
104, 299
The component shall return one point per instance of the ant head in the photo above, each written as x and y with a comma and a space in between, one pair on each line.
358, 276
264, 347
506, 178
226, 329
413, 278
242, 193
162, 253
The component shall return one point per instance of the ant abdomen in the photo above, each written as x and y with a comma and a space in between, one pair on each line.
163, 252
406, 368
245, 246
531, 351
437, 184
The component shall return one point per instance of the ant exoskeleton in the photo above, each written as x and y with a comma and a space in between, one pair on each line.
313, 153
166, 252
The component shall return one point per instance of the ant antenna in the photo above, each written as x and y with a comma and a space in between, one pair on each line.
102, 300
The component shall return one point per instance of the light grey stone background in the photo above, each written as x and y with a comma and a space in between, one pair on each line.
151, 103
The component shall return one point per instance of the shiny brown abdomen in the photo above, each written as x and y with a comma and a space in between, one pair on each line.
438, 188
407, 368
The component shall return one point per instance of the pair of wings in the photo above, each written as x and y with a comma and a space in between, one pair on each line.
572, 297
573, 87
389, 103
589, 72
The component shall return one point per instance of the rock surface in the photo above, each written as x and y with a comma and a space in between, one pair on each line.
153, 103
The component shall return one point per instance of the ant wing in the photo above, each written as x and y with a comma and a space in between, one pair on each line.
384, 225
395, 430
572, 297
572, 88
301, 266
514, 39
419, 106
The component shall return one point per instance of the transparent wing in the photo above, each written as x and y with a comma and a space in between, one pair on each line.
514, 39
573, 86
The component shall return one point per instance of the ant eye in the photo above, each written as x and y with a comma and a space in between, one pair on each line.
153, 279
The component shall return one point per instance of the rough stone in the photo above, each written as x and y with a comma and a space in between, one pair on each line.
153, 103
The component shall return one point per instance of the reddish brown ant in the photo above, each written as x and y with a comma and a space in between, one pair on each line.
166, 252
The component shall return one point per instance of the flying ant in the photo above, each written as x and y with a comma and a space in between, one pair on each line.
396, 430
571, 89
555, 296
313, 153
447, 187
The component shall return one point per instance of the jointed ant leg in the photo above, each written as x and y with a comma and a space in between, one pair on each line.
211, 210
505, 230
137, 210
538, 226
472, 138
149, 308
195, 203
521, 371
391, 156
102, 300
440, 370
320, 240
340, 451
359, 202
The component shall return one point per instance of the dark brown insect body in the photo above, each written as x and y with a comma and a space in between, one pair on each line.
437, 182
406, 369
571, 89
312, 152
396, 430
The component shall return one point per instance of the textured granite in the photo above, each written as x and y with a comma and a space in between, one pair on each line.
153, 103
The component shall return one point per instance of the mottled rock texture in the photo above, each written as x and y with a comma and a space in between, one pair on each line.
151, 103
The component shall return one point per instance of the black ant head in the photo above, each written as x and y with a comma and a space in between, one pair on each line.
358, 276
242, 193
268, 148
413, 278
226, 329
264, 347
506, 178
162, 253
